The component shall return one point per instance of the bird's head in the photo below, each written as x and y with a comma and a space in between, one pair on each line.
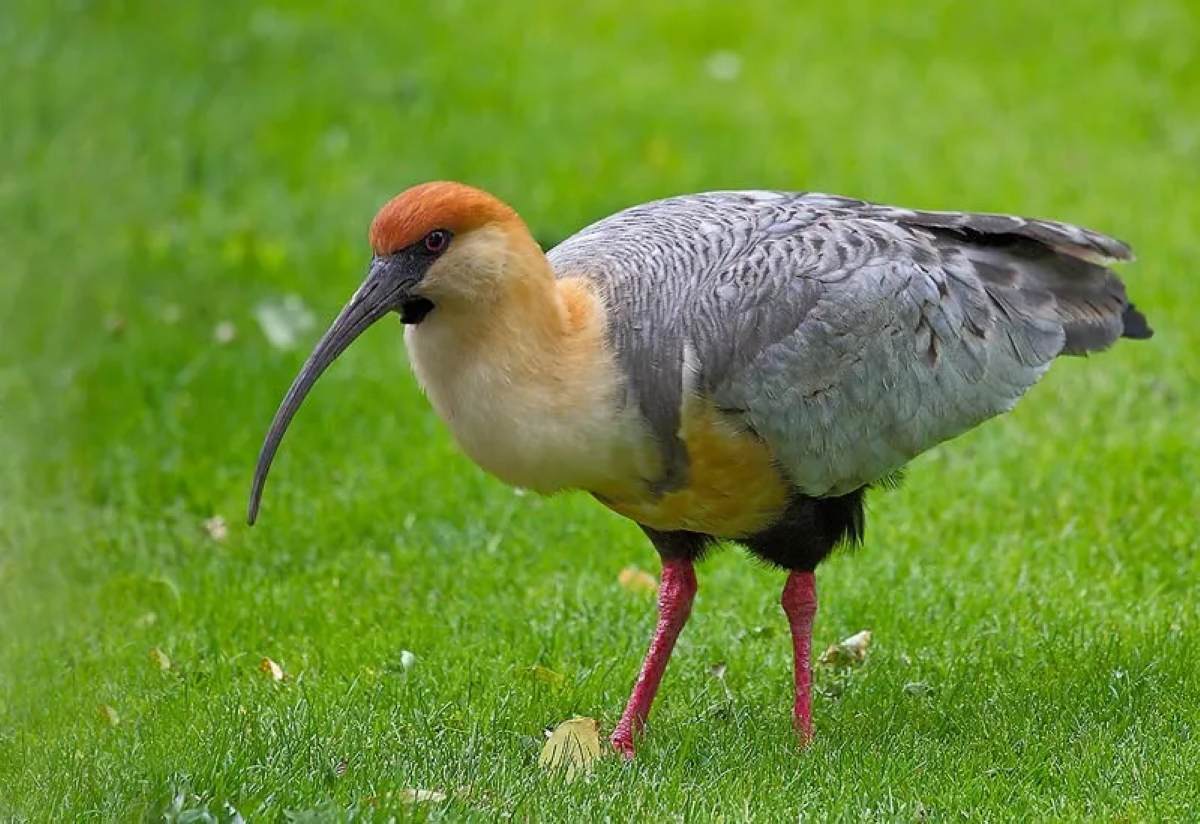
437, 247
443, 245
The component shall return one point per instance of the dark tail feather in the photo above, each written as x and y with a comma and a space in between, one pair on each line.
1084, 296
1136, 326
1044, 269
1090, 304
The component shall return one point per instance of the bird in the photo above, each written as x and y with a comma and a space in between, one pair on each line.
723, 367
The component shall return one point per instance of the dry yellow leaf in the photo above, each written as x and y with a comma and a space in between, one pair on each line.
109, 715
850, 652
637, 580
572, 747
160, 659
272, 669
544, 674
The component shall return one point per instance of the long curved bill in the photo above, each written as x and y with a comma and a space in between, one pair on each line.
378, 295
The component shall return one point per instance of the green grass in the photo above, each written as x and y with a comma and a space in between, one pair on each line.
165, 167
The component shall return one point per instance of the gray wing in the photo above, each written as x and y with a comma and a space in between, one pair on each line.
850, 336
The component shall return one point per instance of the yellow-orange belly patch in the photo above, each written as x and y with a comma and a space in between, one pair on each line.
734, 488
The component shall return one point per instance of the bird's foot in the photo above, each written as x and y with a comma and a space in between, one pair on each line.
622, 743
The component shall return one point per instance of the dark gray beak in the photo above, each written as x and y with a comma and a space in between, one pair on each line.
388, 287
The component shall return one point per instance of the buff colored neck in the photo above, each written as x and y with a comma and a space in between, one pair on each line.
522, 376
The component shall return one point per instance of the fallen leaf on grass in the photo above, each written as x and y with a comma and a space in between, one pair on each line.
544, 674
109, 715
216, 528
160, 659
572, 747
637, 580
850, 652
272, 669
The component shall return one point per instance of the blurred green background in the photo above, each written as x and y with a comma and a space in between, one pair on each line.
171, 172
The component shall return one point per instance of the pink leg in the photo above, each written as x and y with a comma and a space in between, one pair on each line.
799, 602
675, 595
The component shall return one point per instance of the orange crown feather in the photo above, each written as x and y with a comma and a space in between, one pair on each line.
416, 212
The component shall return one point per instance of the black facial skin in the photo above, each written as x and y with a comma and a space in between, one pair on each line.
414, 311
388, 287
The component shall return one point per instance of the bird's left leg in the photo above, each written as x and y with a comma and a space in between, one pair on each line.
675, 594
799, 602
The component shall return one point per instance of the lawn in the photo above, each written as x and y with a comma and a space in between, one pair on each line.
168, 169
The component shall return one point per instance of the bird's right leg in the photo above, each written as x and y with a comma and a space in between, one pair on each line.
799, 602
675, 594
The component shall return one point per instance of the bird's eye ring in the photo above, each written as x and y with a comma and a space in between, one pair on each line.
436, 241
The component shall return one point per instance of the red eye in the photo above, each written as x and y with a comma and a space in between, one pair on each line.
437, 241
